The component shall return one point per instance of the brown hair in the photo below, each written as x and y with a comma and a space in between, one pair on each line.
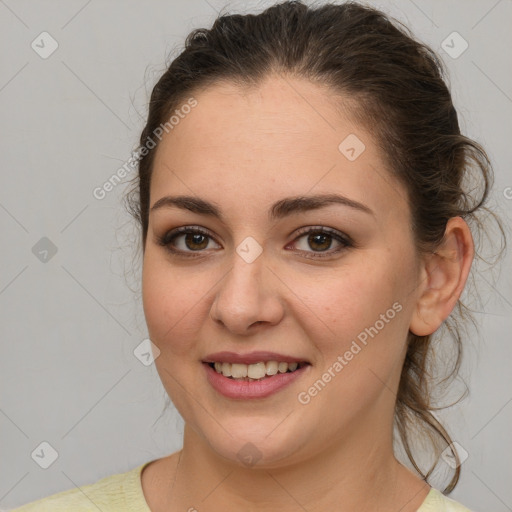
397, 86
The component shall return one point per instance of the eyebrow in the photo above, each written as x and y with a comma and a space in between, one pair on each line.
280, 209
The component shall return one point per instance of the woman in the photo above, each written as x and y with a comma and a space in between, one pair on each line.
305, 233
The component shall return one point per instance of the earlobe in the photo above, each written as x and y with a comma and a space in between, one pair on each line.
444, 275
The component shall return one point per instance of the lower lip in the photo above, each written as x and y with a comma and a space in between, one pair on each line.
248, 390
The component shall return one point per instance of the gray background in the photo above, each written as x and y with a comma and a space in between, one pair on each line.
70, 324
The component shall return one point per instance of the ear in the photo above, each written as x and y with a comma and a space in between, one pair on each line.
443, 277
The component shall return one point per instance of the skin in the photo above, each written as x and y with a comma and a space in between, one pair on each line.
244, 150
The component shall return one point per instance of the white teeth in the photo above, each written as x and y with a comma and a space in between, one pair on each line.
226, 369
271, 367
238, 370
254, 371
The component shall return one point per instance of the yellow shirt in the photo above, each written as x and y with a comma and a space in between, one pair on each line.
122, 492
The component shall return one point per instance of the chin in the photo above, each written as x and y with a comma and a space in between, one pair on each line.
262, 448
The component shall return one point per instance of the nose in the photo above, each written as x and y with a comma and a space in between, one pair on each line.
248, 297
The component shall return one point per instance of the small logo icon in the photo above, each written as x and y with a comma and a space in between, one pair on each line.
146, 352
45, 455
44, 45
448, 457
454, 45
249, 455
44, 250
249, 249
351, 147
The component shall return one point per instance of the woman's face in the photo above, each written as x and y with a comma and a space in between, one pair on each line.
339, 298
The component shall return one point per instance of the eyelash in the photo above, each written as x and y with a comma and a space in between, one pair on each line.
167, 238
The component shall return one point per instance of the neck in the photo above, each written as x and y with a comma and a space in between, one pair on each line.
342, 473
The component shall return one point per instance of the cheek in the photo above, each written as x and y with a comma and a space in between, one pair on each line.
365, 305
171, 300
361, 352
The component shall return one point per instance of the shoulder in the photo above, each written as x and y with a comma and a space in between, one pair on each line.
116, 492
437, 502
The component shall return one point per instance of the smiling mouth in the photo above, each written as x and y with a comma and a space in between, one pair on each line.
255, 372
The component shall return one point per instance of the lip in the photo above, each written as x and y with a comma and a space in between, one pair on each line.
231, 388
251, 358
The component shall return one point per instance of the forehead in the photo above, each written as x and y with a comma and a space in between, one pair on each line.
280, 138
288, 108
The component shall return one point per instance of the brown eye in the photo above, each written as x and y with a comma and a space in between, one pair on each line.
320, 240
186, 240
193, 241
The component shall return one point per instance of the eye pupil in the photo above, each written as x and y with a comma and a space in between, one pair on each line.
318, 238
196, 239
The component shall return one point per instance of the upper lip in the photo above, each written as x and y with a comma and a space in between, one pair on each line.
251, 358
